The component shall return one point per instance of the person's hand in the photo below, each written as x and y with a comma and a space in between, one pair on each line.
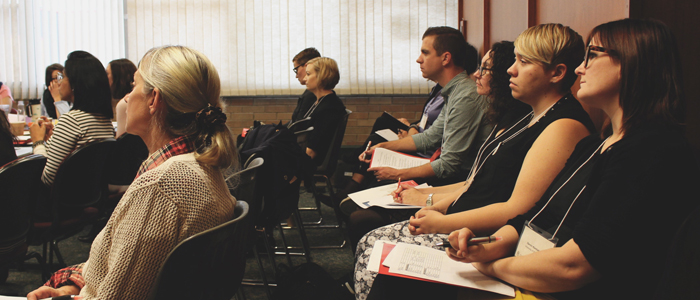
48, 292
403, 120
38, 130
410, 196
385, 173
53, 89
49, 126
460, 251
426, 220
366, 157
396, 194
403, 133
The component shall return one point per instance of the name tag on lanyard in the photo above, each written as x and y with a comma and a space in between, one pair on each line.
533, 239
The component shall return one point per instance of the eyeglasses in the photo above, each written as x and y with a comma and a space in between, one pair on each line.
587, 59
482, 70
297, 69
59, 77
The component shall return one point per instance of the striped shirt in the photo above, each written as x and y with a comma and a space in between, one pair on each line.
74, 129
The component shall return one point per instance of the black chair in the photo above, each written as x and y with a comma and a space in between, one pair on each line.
127, 155
682, 266
246, 187
323, 176
19, 182
208, 265
79, 186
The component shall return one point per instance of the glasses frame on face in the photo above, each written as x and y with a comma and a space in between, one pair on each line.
481, 70
594, 48
297, 69
59, 77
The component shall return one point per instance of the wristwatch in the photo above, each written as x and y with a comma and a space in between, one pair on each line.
429, 201
37, 143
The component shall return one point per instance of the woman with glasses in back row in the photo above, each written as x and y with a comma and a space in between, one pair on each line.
598, 224
84, 83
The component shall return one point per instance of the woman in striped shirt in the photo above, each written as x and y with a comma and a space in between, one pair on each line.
83, 82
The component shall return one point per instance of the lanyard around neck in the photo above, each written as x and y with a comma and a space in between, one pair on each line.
560, 187
476, 166
313, 107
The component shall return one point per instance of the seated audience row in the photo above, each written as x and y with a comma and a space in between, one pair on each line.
587, 222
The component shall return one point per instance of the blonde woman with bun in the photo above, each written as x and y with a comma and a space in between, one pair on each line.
180, 189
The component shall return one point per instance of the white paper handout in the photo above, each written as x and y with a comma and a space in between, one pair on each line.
386, 158
381, 196
387, 134
432, 264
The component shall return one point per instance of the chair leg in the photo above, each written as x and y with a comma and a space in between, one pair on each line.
54, 249
338, 215
271, 256
42, 264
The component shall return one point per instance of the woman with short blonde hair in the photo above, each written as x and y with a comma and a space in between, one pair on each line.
179, 190
322, 76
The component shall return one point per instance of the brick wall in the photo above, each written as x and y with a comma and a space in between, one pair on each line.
242, 111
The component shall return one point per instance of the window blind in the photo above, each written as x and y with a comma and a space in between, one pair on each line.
252, 42
37, 33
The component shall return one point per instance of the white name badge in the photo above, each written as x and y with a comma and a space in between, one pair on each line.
423, 121
534, 239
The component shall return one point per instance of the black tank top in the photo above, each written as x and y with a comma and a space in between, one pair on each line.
496, 178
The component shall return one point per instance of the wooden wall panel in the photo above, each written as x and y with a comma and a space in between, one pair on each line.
508, 19
681, 17
582, 16
473, 12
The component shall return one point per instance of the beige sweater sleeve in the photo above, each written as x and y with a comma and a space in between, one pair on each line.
163, 207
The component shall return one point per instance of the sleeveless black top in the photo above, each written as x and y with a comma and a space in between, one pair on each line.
497, 175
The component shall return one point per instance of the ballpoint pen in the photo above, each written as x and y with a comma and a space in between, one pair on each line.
473, 241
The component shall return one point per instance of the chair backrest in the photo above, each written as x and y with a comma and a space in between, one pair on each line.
303, 137
330, 162
127, 155
682, 266
207, 265
19, 182
246, 187
80, 180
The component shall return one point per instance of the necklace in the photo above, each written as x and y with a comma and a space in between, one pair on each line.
313, 107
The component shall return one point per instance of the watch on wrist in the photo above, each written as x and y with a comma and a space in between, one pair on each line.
429, 201
37, 143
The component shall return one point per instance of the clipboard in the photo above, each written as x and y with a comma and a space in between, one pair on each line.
394, 123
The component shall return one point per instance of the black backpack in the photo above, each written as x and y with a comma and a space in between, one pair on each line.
286, 165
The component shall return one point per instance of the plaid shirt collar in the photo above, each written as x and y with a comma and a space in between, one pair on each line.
177, 146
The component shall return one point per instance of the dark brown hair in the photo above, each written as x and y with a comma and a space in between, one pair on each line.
651, 88
502, 101
122, 77
306, 55
49, 72
448, 39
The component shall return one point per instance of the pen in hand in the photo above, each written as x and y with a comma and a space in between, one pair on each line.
366, 148
473, 241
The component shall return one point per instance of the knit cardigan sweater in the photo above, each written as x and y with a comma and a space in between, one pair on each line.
161, 208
